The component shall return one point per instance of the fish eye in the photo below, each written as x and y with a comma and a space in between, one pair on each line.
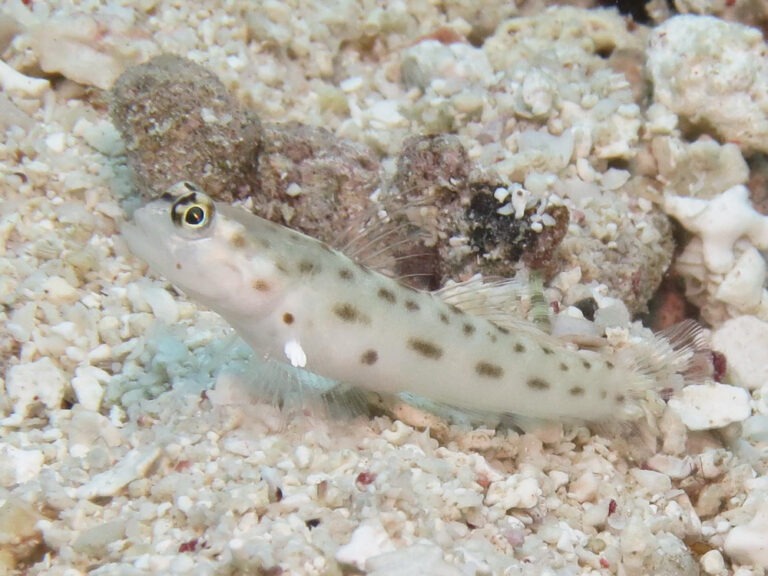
194, 216
193, 211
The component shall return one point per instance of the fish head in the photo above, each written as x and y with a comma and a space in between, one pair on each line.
194, 243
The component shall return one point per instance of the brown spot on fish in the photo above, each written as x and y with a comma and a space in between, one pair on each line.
307, 267
178, 265
519, 347
369, 357
468, 329
411, 306
260, 285
264, 243
547, 350
502, 329
237, 240
586, 364
444, 318
425, 348
563, 366
489, 370
538, 384
603, 394
620, 398
576, 391
346, 274
288, 318
387, 295
610, 365
350, 313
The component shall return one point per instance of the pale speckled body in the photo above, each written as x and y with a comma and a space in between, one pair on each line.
293, 298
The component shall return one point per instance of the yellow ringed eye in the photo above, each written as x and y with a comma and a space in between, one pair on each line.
193, 211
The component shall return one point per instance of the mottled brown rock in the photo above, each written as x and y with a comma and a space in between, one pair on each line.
432, 181
668, 305
631, 269
314, 181
21, 541
432, 163
179, 122
503, 240
758, 183
541, 254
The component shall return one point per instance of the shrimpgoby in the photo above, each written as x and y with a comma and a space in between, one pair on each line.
295, 299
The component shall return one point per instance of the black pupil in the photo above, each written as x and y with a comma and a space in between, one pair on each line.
194, 216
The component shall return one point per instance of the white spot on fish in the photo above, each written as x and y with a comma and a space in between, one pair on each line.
295, 353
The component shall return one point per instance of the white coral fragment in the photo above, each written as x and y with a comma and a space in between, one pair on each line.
88, 50
19, 466
744, 340
747, 544
724, 270
720, 222
742, 287
40, 381
710, 406
135, 464
514, 491
538, 94
370, 539
14, 82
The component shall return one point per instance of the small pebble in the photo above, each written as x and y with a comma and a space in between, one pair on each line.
675, 468
88, 388
423, 559
134, 464
584, 488
710, 406
14, 82
755, 428
654, 482
713, 563
18, 466
163, 305
514, 492
744, 340
39, 381
95, 540
368, 540
747, 544
56, 142
59, 291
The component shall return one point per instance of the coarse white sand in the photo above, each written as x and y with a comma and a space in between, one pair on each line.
124, 449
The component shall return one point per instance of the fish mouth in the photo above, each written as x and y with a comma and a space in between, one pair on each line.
140, 234
136, 237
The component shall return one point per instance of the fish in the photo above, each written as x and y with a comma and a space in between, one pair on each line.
295, 299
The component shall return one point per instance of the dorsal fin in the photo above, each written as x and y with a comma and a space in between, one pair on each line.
670, 358
516, 303
689, 349
391, 245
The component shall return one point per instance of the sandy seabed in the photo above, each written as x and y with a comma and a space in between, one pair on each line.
124, 450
